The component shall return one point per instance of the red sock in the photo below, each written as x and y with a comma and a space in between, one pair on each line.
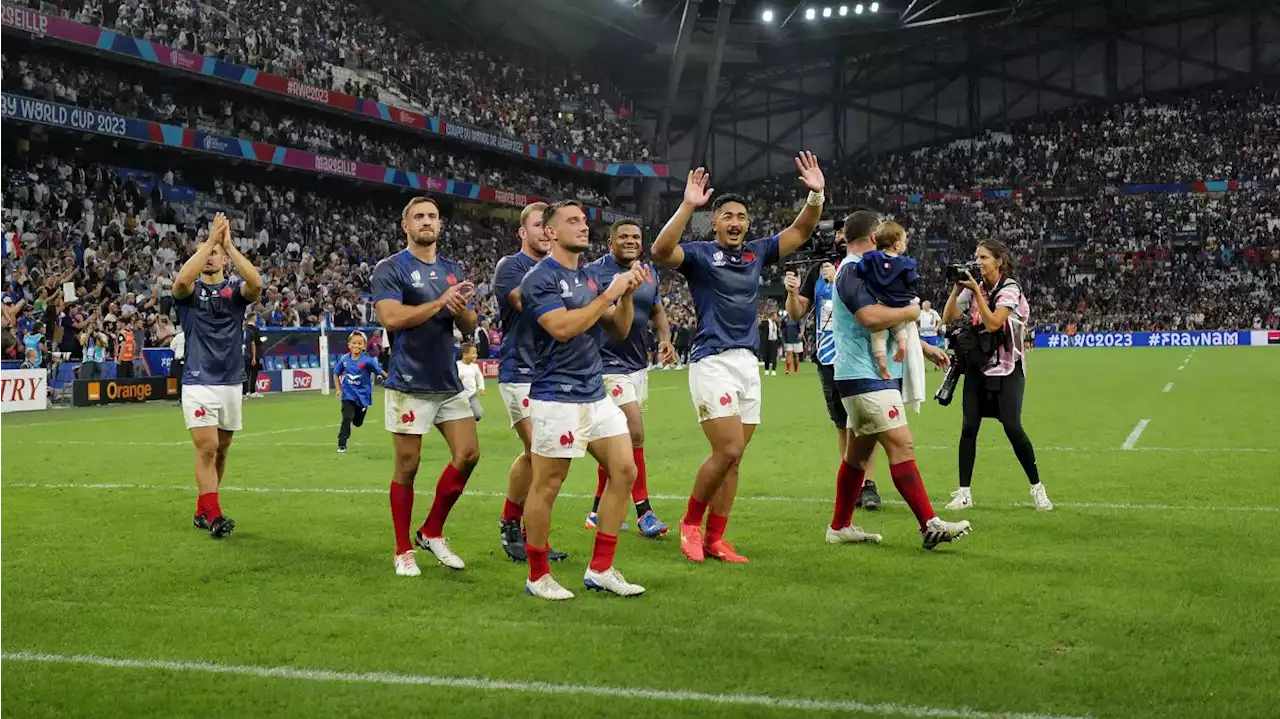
848, 486
602, 555
538, 566
639, 490
402, 514
512, 512
693, 513
788, 365
715, 527
602, 477
906, 477
207, 504
448, 488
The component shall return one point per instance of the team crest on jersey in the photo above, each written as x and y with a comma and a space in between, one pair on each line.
591, 285
225, 292
564, 289
431, 275
449, 278
748, 256
416, 276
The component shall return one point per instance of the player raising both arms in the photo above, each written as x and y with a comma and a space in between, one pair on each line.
211, 310
570, 413
724, 377
419, 297
515, 371
626, 364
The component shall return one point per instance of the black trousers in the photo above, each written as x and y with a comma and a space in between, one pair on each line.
1000, 398
251, 378
124, 369
770, 352
352, 414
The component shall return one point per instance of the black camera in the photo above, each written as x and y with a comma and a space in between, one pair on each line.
957, 272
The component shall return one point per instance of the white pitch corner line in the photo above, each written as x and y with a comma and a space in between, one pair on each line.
1168, 387
1132, 439
484, 684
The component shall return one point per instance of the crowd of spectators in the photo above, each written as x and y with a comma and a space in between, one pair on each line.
133, 93
120, 248
1092, 257
308, 39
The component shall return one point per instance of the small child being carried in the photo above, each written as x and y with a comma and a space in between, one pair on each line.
892, 279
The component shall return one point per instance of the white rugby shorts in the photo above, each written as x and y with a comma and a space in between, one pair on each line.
875, 412
213, 405
564, 429
725, 385
405, 413
628, 388
795, 347
515, 396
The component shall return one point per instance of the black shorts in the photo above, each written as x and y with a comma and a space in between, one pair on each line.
835, 407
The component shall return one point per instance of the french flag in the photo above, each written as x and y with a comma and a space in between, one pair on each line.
12, 247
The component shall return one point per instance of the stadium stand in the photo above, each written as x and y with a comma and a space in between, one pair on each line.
322, 42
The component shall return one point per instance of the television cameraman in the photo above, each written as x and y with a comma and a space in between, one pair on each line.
990, 353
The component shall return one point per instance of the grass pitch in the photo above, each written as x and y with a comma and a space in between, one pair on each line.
1149, 592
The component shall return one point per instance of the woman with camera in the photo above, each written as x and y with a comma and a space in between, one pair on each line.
995, 313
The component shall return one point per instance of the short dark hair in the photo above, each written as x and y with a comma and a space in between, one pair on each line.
404, 214
725, 199
999, 249
861, 223
613, 229
549, 212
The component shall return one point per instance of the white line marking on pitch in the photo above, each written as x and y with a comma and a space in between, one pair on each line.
1168, 387
1135, 434
663, 497
1181, 367
181, 442
543, 688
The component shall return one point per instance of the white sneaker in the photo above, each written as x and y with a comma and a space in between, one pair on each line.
960, 499
611, 580
936, 531
851, 535
406, 565
1040, 498
547, 588
440, 548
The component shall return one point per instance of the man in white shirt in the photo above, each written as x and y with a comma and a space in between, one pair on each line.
472, 379
930, 323
179, 346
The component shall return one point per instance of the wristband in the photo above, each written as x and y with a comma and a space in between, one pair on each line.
815, 198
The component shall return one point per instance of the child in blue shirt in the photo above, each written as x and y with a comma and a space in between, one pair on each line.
353, 379
893, 280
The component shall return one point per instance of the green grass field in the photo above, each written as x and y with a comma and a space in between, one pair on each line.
1151, 591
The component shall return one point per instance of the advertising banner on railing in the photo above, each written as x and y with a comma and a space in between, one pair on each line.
28, 109
1198, 338
36, 23
23, 390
